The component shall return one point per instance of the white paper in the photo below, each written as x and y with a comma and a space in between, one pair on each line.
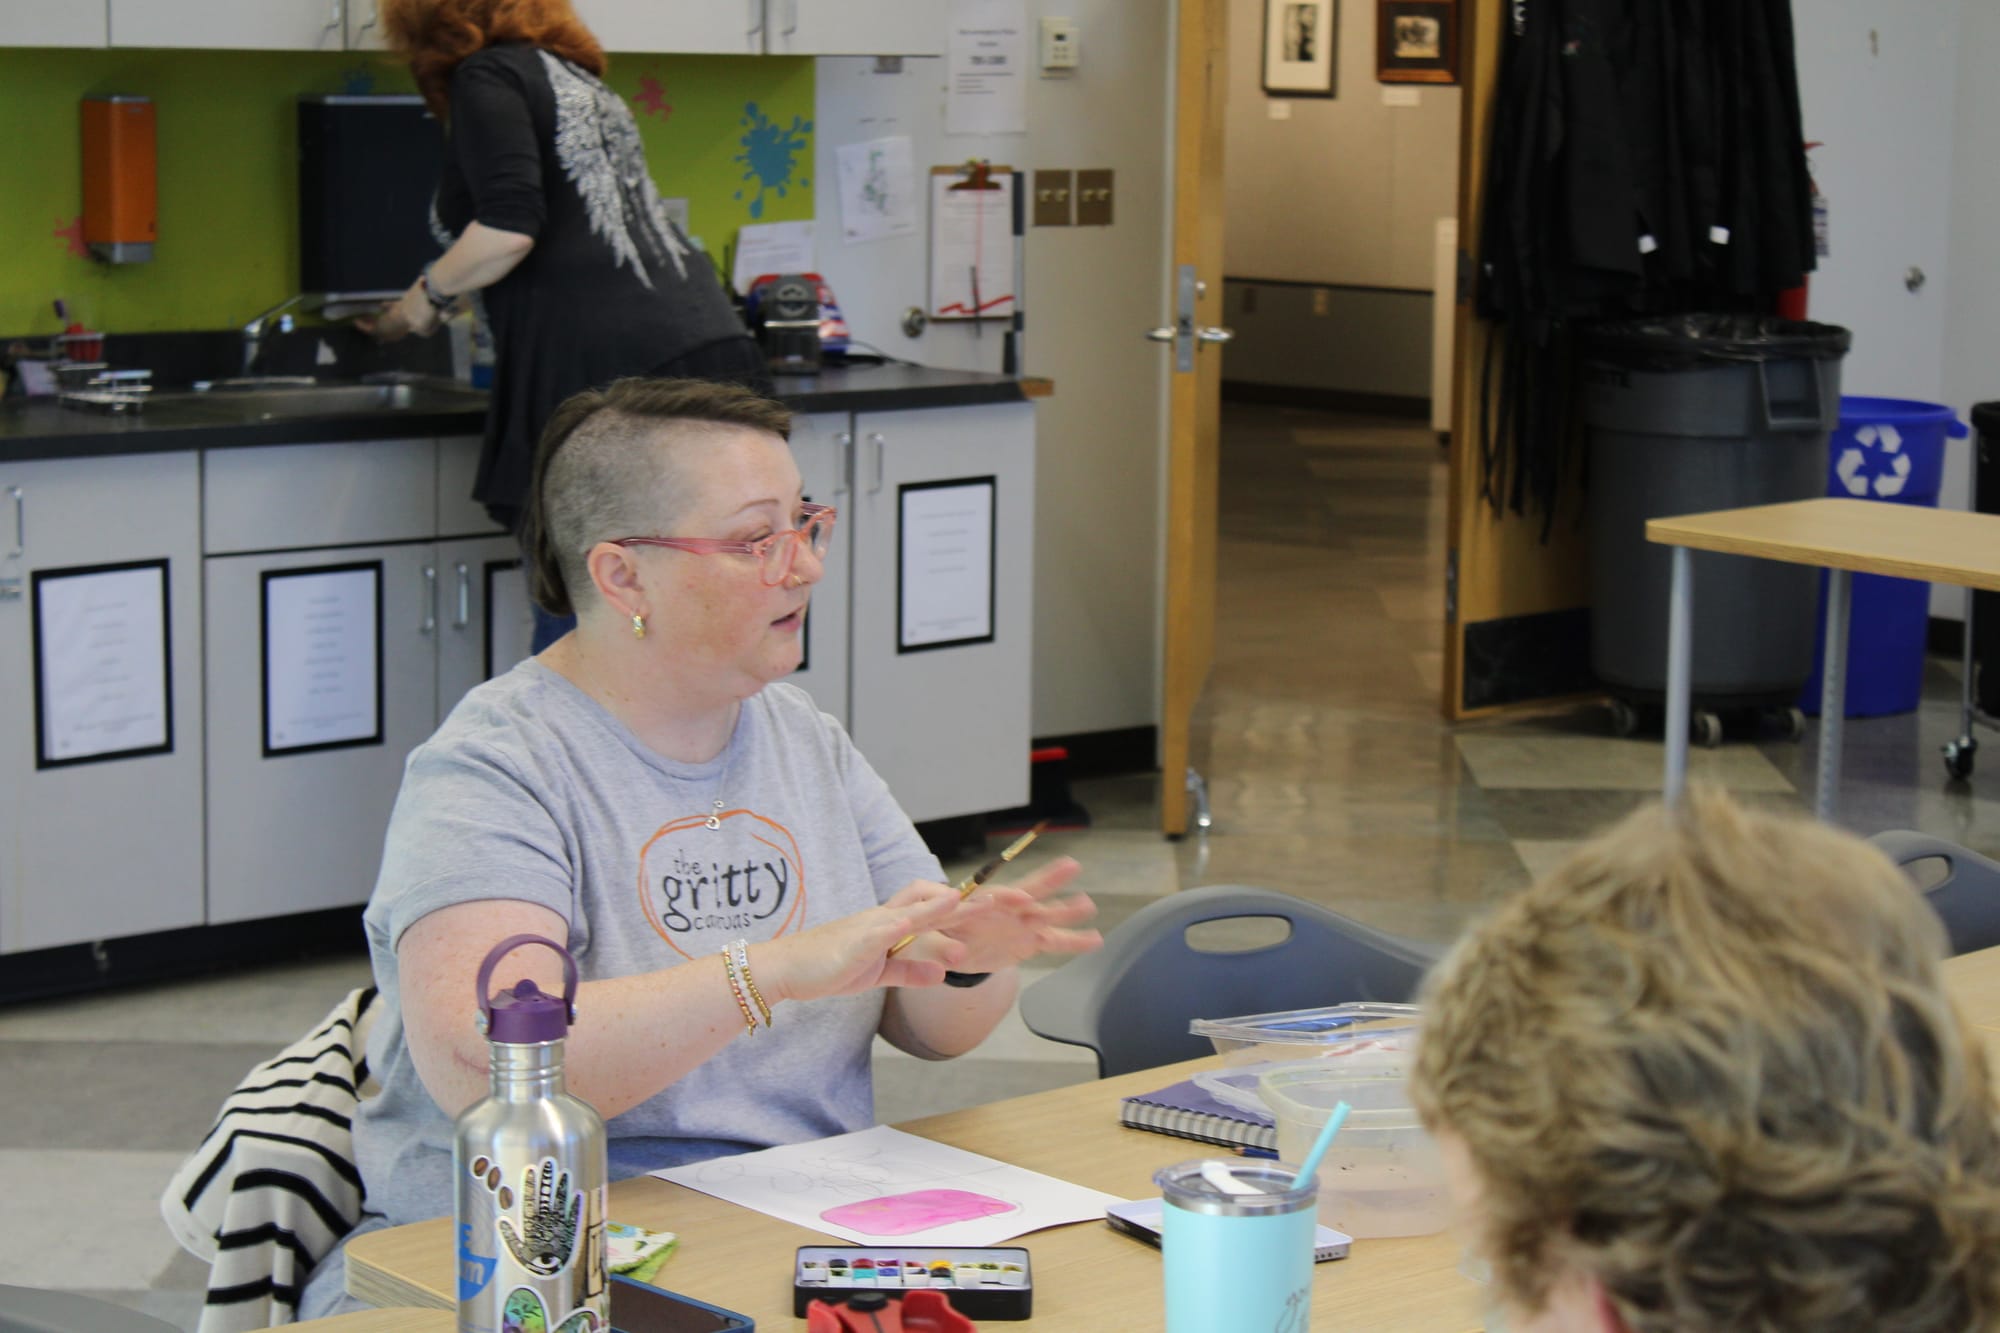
772, 247
320, 660
986, 91
972, 231
883, 1185
103, 639
510, 617
877, 189
947, 564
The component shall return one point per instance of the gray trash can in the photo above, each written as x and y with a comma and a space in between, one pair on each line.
1685, 414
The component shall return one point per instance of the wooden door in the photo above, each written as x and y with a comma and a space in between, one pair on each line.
1515, 628
1194, 286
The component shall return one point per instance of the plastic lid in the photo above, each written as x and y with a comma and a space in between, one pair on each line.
1329, 1027
1254, 1189
524, 1014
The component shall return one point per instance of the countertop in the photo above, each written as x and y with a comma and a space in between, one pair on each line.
174, 422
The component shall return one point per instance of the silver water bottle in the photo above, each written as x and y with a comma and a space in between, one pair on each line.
529, 1160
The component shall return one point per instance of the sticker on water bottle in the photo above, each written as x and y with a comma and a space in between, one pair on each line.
475, 1270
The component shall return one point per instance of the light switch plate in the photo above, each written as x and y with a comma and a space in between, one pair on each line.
1398, 95
1052, 198
1278, 109
1093, 198
1059, 50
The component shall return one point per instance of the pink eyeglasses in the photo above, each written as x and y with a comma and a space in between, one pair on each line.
776, 553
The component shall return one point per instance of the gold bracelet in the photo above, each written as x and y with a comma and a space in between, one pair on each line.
736, 989
741, 951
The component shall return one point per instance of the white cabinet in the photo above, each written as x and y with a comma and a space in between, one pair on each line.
848, 28
823, 446
299, 829
769, 27
485, 624
943, 714
260, 25
43, 23
112, 846
724, 27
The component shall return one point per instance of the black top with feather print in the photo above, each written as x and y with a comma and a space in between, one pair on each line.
611, 287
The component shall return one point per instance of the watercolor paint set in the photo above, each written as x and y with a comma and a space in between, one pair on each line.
982, 1283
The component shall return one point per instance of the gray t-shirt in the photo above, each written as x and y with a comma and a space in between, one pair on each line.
531, 790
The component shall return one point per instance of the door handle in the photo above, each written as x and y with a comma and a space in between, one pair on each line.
1164, 334
430, 621
843, 467
879, 445
1213, 334
10, 584
464, 616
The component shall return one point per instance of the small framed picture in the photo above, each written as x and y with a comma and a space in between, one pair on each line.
1416, 41
1299, 39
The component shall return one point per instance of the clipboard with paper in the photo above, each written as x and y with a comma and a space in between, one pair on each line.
974, 268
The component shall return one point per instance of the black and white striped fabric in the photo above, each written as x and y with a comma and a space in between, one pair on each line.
273, 1186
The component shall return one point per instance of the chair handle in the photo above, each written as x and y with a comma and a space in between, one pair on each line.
1907, 846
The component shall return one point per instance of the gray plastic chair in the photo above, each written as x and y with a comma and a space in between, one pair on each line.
32, 1310
1967, 899
1131, 1001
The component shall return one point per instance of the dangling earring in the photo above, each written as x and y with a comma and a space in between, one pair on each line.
638, 626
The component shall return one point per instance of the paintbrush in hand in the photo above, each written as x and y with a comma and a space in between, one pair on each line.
981, 875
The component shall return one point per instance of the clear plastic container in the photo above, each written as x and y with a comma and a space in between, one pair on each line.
1372, 1034
1383, 1175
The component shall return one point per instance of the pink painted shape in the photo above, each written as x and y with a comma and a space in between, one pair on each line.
72, 233
652, 97
920, 1210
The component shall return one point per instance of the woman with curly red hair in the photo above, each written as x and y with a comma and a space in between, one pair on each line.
553, 223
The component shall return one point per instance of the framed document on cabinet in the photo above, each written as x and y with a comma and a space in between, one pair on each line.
103, 669
945, 536
322, 640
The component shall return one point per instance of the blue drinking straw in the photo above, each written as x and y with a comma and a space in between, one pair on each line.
1310, 1167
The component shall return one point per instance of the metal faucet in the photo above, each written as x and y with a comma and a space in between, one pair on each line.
253, 332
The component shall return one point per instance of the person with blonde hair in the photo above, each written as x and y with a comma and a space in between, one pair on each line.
1705, 1077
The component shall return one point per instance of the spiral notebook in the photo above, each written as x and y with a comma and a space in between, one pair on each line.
1187, 1111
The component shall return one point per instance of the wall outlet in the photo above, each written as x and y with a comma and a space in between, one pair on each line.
1059, 48
1322, 301
1052, 199
1278, 109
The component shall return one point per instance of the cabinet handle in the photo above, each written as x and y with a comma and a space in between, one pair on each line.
10, 584
361, 33
429, 623
464, 597
792, 26
843, 468
877, 443
337, 19
756, 33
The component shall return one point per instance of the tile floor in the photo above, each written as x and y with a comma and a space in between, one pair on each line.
1330, 776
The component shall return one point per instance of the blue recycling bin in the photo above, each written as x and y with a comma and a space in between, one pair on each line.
1889, 449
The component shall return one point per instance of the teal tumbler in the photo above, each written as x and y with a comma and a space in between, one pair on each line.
1236, 1241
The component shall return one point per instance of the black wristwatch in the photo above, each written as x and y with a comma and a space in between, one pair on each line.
965, 980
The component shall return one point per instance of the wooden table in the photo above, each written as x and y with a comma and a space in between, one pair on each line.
1087, 1277
1845, 537
384, 1321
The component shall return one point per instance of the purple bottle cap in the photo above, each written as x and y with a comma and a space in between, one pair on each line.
525, 1014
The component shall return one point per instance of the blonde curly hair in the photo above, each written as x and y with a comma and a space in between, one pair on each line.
1710, 1063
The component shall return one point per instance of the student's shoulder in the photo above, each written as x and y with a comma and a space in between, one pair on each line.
795, 715
512, 63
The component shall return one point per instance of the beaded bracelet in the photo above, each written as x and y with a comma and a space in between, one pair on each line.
740, 950
736, 989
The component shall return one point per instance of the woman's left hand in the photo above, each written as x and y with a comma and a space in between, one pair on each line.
1019, 920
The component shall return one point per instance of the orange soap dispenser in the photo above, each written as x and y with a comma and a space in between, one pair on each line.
120, 178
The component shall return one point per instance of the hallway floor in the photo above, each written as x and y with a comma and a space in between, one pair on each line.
1330, 776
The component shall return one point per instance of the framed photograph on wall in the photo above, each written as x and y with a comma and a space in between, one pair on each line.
1416, 41
1299, 41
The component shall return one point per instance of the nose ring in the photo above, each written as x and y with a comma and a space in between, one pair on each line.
795, 581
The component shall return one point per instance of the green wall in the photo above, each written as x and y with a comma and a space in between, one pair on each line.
725, 132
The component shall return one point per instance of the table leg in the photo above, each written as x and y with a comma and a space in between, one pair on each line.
1680, 670
1833, 694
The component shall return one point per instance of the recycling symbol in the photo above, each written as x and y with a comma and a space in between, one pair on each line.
1889, 473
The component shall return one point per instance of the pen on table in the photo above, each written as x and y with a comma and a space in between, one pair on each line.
981, 875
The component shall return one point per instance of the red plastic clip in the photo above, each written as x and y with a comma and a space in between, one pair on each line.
920, 1311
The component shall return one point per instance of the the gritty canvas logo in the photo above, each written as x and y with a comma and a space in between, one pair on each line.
701, 887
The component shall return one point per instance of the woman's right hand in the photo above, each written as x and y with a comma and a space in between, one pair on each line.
851, 955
